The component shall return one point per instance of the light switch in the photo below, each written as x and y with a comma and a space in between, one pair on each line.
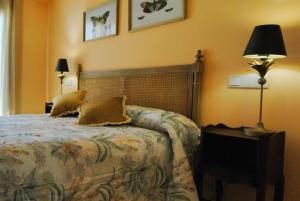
68, 82
245, 81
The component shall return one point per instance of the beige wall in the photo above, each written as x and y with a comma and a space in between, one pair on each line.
32, 60
222, 29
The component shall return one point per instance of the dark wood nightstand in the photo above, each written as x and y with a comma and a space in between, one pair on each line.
230, 156
48, 107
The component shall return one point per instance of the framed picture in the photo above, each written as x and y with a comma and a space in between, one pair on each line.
148, 13
101, 22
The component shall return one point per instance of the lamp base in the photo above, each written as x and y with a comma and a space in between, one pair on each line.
257, 131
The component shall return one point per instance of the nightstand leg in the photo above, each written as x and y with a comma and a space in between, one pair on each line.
261, 193
279, 191
219, 190
199, 183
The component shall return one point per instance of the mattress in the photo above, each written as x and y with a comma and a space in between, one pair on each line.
55, 159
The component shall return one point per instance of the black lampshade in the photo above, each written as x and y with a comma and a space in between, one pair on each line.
62, 66
266, 42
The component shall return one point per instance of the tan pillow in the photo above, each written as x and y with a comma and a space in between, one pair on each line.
110, 111
67, 103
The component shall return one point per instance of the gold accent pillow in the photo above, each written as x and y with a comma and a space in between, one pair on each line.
67, 103
110, 111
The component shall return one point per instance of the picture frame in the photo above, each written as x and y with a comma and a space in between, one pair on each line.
150, 13
101, 22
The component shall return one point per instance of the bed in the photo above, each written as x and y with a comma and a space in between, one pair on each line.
55, 159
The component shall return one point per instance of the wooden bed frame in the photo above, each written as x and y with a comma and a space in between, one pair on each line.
172, 88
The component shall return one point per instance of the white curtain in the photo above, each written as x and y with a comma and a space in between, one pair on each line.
5, 17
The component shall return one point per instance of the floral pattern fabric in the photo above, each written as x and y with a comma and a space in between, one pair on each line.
55, 159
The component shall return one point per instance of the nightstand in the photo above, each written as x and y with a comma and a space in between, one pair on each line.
230, 156
48, 107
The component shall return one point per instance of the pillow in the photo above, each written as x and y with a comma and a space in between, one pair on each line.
169, 122
157, 119
110, 111
67, 103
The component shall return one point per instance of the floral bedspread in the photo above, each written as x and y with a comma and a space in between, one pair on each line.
54, 159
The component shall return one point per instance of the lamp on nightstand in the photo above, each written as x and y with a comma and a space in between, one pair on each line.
62, 67
265, 46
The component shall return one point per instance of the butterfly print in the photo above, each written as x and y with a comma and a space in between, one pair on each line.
154, 6
101, 19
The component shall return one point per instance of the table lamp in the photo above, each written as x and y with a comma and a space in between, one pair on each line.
265, 46
62, 67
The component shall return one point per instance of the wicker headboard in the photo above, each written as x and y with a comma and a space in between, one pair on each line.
172, 88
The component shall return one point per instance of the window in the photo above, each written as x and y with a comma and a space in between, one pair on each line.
1, 59
4, 57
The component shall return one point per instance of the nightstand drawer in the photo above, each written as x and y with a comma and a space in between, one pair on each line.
230, 153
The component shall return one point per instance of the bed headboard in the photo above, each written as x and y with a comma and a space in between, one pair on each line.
172, 88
